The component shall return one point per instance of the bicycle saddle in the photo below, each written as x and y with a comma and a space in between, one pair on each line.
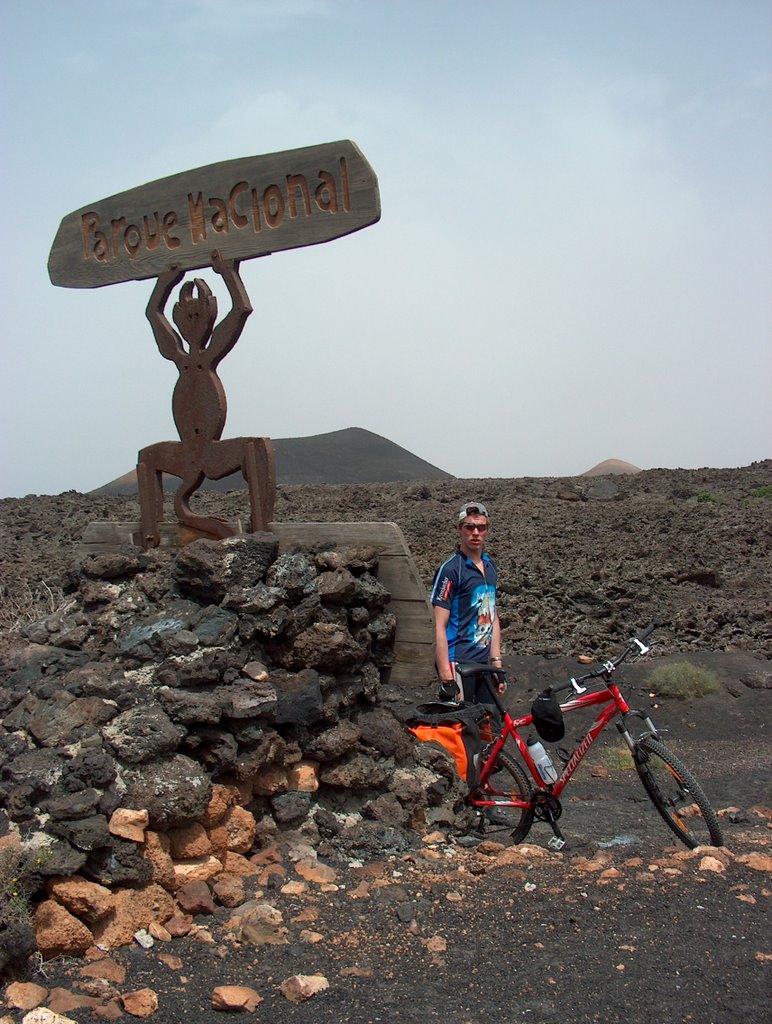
469, 669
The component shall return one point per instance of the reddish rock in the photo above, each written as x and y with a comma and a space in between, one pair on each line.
141, 1003
228, 890
110, 1010
313, 871
156, 851
25, 995
222, 799
106, 970
218, 838
174, 963
270, 855
300, 987
179, 925
58, 932
134, 910
241, 827
235, 864
157, 931
129, 824
84, 899
235, 997
189, 843
61, 1000
196, 898
303, 777
757, 861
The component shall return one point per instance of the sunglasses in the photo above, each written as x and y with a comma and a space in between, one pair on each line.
471, 527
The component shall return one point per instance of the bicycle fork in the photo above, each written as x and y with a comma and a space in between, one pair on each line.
632, 744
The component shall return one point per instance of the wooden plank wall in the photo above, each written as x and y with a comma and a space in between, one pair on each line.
414, 643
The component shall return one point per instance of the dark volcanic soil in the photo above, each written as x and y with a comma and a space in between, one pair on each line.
618, 927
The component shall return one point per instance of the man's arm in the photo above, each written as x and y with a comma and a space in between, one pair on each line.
441, 657
495, 655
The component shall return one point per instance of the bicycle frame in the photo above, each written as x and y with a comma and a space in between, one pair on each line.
612, 704
540, 801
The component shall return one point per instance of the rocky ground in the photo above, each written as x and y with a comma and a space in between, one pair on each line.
583, 561
501, 934
622, 926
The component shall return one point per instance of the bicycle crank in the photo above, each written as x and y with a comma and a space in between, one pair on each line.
548, 808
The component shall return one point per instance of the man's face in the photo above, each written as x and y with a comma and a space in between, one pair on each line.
472, 533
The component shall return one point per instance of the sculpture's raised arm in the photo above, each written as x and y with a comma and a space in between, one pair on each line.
228, 331
167, 339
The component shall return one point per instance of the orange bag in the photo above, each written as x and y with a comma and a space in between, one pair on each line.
454, 726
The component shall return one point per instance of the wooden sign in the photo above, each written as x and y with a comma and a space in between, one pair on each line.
242, 208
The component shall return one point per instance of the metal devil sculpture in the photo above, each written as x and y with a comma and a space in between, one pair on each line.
212, 217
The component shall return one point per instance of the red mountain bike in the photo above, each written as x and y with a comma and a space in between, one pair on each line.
504, 785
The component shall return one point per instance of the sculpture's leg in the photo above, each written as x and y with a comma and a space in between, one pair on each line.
151, 498
259, 470
155, 460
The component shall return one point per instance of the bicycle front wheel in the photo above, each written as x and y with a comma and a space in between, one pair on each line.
509, 781
677, 795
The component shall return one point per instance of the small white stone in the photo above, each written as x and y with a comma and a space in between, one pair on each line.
144, 939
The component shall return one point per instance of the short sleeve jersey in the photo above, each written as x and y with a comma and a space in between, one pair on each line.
470, 597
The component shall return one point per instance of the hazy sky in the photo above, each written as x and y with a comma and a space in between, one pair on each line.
574, 258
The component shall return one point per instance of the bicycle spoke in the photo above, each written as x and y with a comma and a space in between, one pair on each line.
677, 795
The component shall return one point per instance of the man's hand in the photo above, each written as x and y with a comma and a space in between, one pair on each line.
448, 689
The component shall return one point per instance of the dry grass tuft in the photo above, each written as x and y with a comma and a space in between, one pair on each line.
18, 865
682, 680
22, 602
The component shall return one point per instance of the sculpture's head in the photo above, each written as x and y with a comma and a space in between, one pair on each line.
195, 315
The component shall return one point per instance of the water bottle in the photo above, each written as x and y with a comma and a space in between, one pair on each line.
542, 761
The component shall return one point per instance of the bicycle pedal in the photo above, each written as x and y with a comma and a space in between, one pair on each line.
556, 842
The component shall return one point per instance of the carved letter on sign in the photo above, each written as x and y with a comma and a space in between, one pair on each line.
244, 208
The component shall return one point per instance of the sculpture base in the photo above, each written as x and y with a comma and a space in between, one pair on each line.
414, 640
98, 537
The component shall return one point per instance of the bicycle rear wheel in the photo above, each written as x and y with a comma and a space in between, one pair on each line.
677, 795
509, 781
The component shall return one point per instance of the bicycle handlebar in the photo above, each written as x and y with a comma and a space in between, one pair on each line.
646, 632
635, 646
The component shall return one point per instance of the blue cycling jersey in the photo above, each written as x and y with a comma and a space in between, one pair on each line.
470, 597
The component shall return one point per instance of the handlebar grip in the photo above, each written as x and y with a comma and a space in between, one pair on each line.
561, 687
648, 631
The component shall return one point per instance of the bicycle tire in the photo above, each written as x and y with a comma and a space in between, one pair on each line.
522, 817
671, 787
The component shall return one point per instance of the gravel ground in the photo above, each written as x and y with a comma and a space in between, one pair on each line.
623, 926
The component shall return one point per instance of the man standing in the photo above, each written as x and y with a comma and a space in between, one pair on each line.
466, 623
